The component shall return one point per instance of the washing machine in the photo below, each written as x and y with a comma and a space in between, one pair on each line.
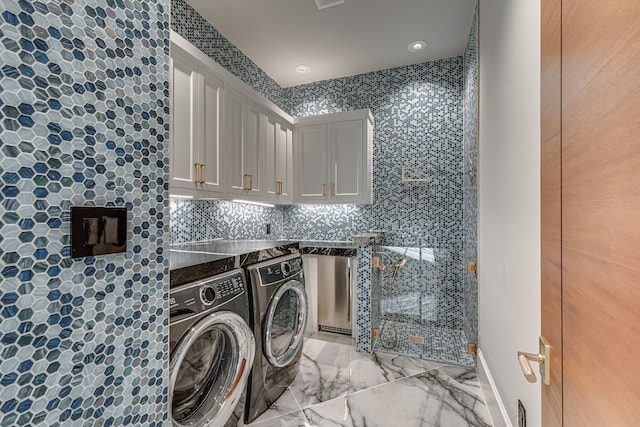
212, 349
280, 310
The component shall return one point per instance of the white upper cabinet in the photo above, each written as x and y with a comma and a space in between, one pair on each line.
196, 125
312, 163
244, 122
229, 142
278, 146
334, 158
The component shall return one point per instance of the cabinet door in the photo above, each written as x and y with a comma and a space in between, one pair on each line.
347, 160
312, 148
270, 147
284, 163
245, 147
184, 134
278, 169
211, 150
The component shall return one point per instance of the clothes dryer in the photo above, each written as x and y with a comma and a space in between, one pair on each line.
211, 349
280, 311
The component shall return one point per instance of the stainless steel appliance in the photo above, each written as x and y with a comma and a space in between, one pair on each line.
212, 349
334, 294
280, 311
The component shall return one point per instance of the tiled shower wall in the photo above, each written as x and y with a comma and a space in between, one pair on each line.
418, 124
83, 121
470, 189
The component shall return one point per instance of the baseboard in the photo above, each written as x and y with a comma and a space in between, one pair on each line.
498, 413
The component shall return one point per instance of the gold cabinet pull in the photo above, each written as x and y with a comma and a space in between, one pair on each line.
197, 178
279, 188
204, 173
324, 189
248, 182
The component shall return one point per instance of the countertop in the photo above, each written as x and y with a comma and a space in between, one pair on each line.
329, 248
193, 261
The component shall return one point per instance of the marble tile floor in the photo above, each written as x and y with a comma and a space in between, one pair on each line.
336, 386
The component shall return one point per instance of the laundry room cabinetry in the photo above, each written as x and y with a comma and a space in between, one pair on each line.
246, 145
227, 141
333, 161
278, 145
197, 152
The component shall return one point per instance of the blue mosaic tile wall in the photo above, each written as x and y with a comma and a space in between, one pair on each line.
193, 220
187, 22
363, 300
83, 121
470, 188
418, 124
326, 222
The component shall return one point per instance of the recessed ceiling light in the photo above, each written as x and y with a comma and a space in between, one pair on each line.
303, 69
417, 45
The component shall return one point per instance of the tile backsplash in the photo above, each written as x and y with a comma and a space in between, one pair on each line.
83, 121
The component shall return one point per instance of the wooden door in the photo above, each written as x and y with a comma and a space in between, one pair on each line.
591, 210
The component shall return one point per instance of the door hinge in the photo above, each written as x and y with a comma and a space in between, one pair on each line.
472, 348
472, 267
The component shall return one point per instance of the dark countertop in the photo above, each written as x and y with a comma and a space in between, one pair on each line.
193, 261
328, 248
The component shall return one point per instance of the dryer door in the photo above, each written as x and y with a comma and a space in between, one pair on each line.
208, 370
285, 323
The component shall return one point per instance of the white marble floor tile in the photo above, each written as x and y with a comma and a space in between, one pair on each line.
369, 370
338, 387
293, 419
324, 372
284, 405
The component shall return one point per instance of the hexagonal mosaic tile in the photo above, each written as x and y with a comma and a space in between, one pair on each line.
83, 121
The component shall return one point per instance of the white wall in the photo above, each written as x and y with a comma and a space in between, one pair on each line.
509, 197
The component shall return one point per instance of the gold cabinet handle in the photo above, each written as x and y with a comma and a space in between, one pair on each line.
204, 173
324, 189
197, 178
279, 188
248, 182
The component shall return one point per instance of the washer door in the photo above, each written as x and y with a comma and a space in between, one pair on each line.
285, 323
209, 369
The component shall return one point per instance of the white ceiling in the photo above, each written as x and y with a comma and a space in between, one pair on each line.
356, 37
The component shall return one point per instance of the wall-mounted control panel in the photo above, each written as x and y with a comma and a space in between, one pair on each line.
98, 230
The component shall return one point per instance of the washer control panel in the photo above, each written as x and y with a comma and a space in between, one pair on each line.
193, 298
280, 270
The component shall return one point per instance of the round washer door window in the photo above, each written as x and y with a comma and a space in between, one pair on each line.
209, 369
285, 323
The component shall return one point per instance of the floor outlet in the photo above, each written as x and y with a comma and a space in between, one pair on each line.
522, 415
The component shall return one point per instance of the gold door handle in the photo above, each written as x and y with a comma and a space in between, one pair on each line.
279, 188
543, 358
204, 173
324, 189
197, 178
248, 182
